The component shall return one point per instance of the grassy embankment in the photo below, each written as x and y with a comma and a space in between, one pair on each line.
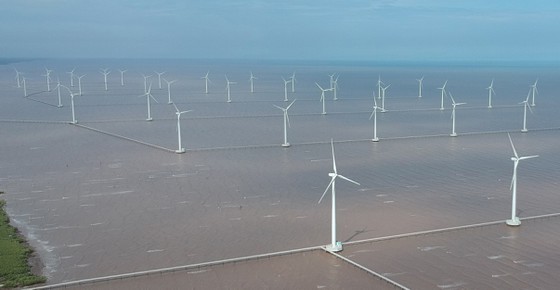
14, 253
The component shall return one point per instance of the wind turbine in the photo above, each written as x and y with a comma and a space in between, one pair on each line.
24, 86
169, 90
228, 83
514, 221
490, 93
146, 82
453, 133
334, 88
149, 95
47, 75
443, 94
525, 106
379, 85
159, 74
420, 86
535, 91
251, 78
58, 92
72, 95
383, 98
293, 81
71, 73
105, 73
179, 113
286, 82
323, 97
286, 123
18, 79
122, 76
335, 246
206, 81
80, 84
374, 116
331, 81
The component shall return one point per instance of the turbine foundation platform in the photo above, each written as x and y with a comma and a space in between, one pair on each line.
286, 145
334, 248
513, 222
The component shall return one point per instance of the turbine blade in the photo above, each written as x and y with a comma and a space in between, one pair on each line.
530, 110
279, 107
327, 189
176, 109
373, 112
319, 87
288, 118
348, 179
512, 146
288, 107
513, 177
528, 157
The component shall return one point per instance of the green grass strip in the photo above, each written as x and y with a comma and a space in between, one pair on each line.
14, 253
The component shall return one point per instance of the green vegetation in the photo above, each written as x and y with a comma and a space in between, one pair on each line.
14, 253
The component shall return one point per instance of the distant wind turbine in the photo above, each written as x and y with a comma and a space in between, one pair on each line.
335, 245
159, 74
420, 86
24, 86
514, 221
535, 91
18, 77
323, 97
331, 81
80, 84
71, 73
293, 81
149, 96
383, 89
335, 88
374, 116
58, 92
179, 113
443, 94
286, 123
206, 81
379, 85
146, 82
453, 133
228, 88
525, 106
251, 81
105, 73
169, 89
286, 82
47, 75
72, 95
490, 93
122, 76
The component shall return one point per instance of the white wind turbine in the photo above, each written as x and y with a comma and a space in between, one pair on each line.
251, 81
71, 73
122, 76
47, 75
179, 113
24, 86
228, 83
293, 81
420, 86
514, 221
146, 82
80, 84
490, 93
159, 74
169, 90
286, 123
323, 97
534, 91
105, 73
374, 116
331, 80
383, 89
286, 82
443, 94
18, 78
206, 81
335, 88
453, 133
380, 84
58, 92
149, 95
335, 245
525, 106
72, 95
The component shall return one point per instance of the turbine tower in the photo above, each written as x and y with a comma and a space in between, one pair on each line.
71, 73
58, 92
286, 82
24, 87
286, 123
105, 73
293, 81
122, 76
47, 75
228, 88
206, 81
159, 74
179, 113
335, 245
334, 88
420, 86
535, 91
146, 82
490, 93
514, 221
383, 98
525, 106
72, 95
149, 95
169, 90
18, 78
323, 97
251, 81
453, 133
374, 116
443, 94
80, 84
379, 85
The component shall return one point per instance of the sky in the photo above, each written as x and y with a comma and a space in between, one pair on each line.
372, 30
